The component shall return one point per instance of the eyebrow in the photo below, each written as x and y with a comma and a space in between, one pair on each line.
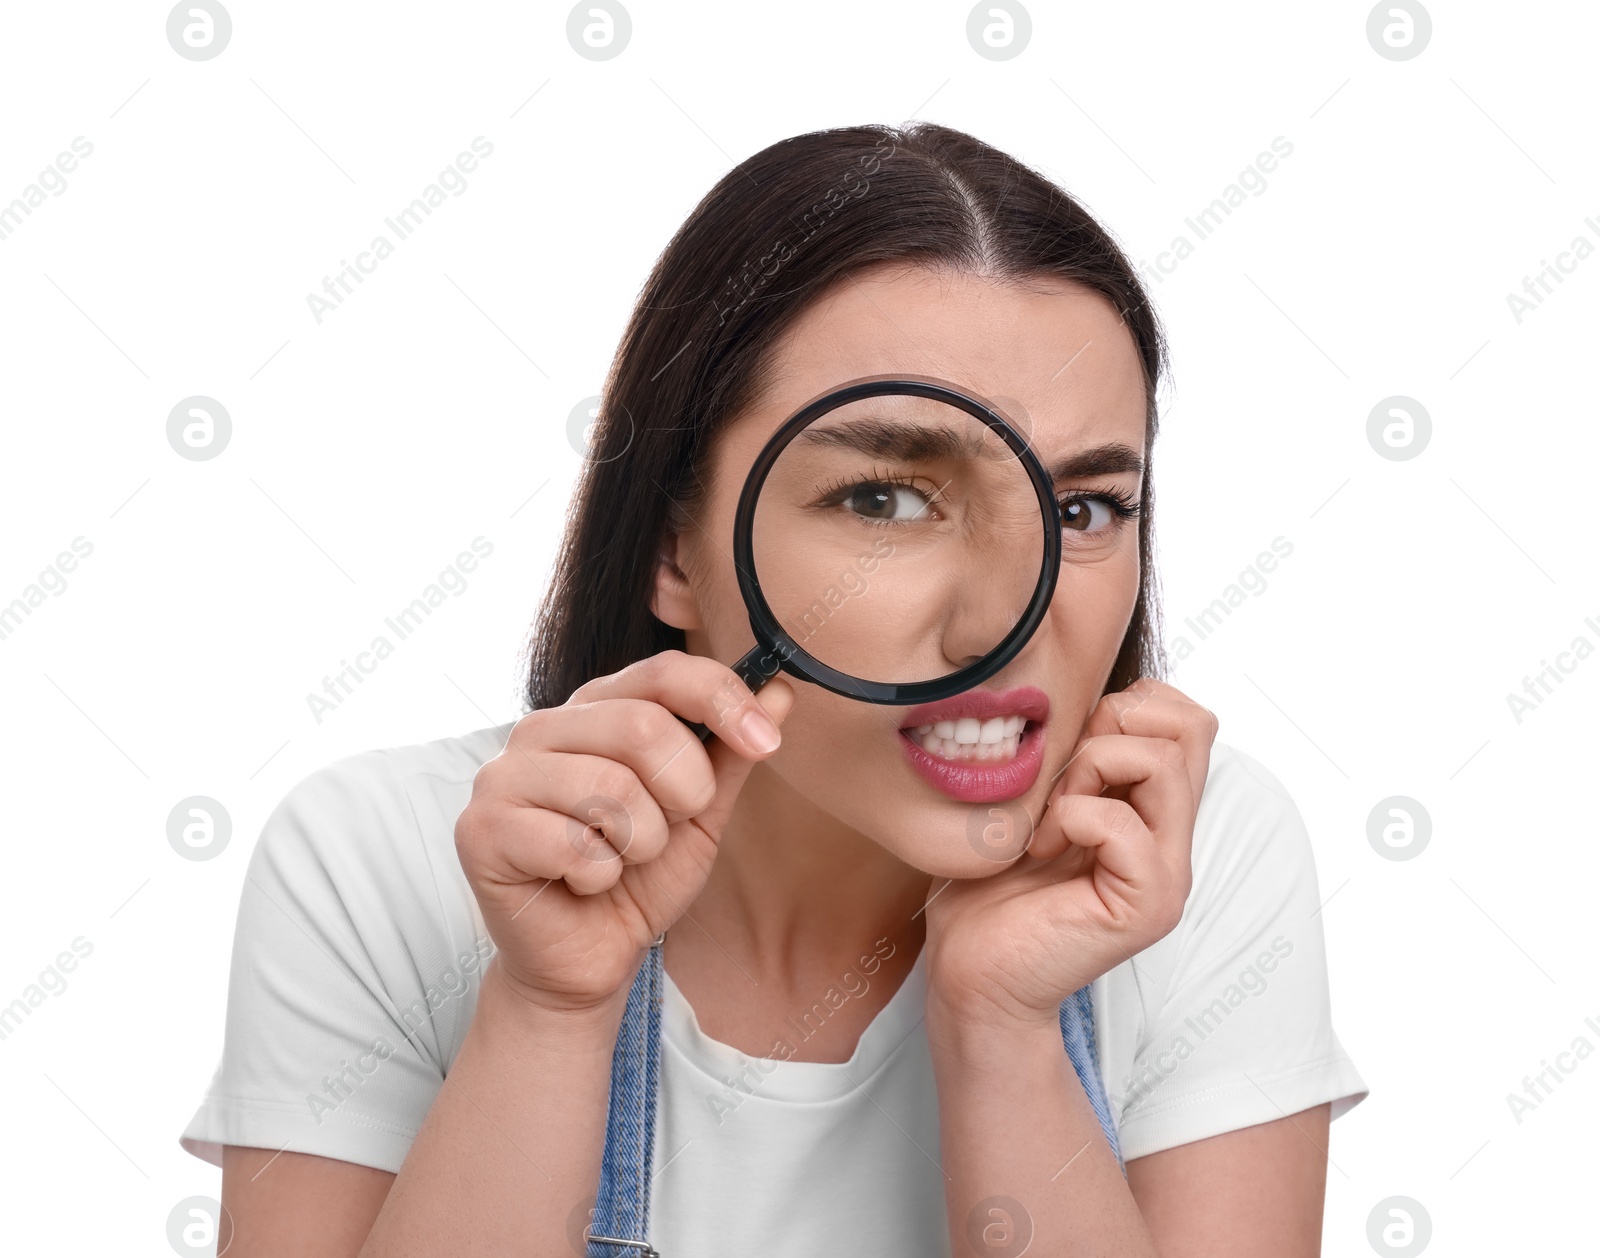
885, 439
1103, 460
911, 443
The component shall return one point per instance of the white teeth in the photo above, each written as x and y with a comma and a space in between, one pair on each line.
995, 739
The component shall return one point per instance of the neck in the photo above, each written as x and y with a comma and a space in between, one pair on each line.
796, 892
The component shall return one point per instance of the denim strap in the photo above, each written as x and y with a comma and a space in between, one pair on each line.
622, 1209
1077, 1034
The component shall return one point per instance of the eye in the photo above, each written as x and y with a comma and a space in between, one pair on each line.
886, 502
1084, 514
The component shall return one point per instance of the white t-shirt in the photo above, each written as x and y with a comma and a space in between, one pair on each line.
355, 973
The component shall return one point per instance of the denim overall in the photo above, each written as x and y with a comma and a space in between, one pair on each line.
622, 1210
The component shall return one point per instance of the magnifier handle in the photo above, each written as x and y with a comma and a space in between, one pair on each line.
759, 665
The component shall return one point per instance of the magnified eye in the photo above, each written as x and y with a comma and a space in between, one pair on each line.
1087, 515
882, 501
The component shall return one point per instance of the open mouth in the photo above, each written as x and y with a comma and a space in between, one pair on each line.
981, 746
969, 740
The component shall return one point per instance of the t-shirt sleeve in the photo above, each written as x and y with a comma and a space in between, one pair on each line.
1237, 1027
348, 990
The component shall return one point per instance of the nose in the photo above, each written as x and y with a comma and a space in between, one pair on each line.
986, 601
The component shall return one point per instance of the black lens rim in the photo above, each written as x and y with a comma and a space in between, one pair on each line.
777, 647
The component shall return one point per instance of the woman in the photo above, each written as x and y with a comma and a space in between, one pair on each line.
771, 979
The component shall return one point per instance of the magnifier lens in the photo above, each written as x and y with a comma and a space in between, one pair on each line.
898, 539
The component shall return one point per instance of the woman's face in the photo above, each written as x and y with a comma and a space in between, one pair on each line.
934, 787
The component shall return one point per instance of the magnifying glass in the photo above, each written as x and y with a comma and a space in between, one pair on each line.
890, 529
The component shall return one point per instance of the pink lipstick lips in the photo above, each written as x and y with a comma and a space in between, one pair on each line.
980, 747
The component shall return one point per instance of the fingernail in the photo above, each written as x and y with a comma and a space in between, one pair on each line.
758, 730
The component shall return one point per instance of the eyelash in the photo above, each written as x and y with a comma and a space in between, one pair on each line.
1124, 506
826, 496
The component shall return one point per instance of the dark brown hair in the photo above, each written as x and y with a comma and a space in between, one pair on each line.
775, 233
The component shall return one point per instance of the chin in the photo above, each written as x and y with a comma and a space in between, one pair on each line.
963, 842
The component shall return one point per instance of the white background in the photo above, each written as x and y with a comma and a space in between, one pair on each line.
431, 408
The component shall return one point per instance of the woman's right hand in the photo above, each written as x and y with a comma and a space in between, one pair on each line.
597, 825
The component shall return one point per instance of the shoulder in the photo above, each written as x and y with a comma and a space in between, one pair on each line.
358, 860
1254, 868
1226, 1022
1248, 834
377, 812
355, 959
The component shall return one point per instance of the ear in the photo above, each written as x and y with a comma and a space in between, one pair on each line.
673, 600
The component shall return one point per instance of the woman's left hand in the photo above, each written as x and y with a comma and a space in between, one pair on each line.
1106, 874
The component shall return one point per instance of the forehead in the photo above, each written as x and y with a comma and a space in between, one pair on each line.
1055, 351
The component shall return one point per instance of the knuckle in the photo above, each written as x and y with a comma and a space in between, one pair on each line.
585, 693
703, 790
531, 726
639, 723
648, 839
618, 782
1170, 914
1089, 750
1117, 817
663, 663
509, 775
1169, 755
486, 781
470, 831
729, 695
689, 784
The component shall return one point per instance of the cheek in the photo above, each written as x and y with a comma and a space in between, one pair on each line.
1094, 602
831, 745
725, 634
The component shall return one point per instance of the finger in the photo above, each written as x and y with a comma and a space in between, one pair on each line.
731, 768
1155, 771
693, 687
1151, 708
531, 847
643, 736
1129, 867
606, 807
672, 880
